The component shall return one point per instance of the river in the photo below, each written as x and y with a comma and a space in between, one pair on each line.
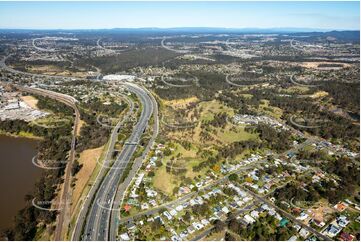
17, 175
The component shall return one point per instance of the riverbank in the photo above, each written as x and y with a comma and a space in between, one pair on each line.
21, 134
18, 176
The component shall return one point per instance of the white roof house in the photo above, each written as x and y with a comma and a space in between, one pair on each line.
124, 237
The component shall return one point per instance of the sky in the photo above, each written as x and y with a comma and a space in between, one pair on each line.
97, 15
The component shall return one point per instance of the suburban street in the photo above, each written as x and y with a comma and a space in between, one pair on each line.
287, 215
206, 232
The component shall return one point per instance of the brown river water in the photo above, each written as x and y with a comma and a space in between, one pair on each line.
17, 175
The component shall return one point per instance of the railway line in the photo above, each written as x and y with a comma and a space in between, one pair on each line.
64, 215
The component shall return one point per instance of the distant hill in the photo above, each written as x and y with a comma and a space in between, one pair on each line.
345, 35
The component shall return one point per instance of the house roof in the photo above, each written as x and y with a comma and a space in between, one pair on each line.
346, 237
340, 207
127, 207
283, 222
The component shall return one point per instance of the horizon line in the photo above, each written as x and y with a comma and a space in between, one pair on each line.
301, 29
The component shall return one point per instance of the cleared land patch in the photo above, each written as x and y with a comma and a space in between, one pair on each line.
30, 101
88, 160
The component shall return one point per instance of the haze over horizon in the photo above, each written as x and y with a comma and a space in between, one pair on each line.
234, 15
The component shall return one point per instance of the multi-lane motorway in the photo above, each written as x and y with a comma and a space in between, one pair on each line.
115, 215
94, 219
97, 222
81, 217
4, 66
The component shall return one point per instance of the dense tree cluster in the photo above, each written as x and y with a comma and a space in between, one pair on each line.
345, 95
238, 147
333, 191
113, 109
201, 209
210, 162
240, 103
53, 105
279, 140
304, 154
265, 228
53, 146
331, 126
209, 84
92, 134
142, 57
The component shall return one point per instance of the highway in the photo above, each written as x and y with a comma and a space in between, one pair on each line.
39, 48
169, 48
292, 79
179, 125
102, 47
295, 46
88, 200
232, 83
177, 85
303, 47
98, 219
9, 69
97, 226
109, 49
115, 215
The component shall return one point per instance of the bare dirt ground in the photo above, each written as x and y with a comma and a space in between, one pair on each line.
31, 101
315, 65
81, 123
56, 70
321, 211
88, 158
319, 94
180, 103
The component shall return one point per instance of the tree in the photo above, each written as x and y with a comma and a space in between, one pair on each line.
156, 224
219, 225
233, 177
200, 209
187, 216
229, 237
167, 152
216, 168
235, 226
76, 168
248, 179
158, 163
